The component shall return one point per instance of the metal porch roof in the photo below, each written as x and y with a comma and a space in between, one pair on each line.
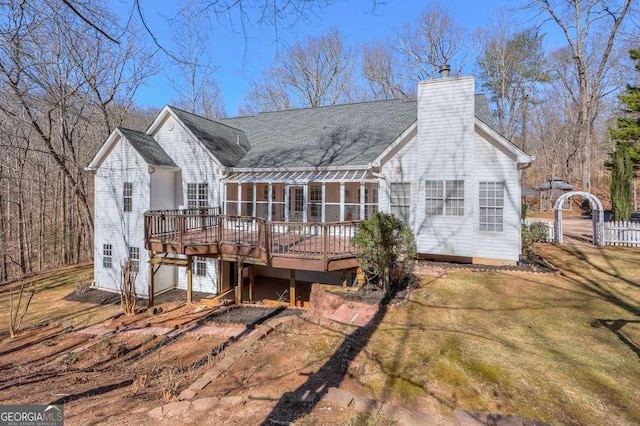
300, 177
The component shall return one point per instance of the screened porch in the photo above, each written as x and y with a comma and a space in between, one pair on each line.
325, 196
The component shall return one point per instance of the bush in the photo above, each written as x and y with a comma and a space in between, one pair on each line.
534, 233
386, 249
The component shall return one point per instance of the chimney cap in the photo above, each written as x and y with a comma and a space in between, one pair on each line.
445, 70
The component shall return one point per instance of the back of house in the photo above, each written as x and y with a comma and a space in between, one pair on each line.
282, 191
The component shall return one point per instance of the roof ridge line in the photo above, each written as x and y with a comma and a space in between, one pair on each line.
207, 119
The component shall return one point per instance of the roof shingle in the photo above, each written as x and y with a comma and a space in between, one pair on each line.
150, 151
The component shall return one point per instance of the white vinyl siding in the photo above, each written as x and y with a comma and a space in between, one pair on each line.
444, 197
400, 194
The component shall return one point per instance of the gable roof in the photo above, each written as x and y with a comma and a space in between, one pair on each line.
150, 150
227, 144
147, 147
339, 135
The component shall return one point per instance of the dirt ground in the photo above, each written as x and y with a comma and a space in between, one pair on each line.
117, 372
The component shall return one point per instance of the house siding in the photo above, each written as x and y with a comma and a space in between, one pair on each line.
492, 165
196, 166
444, 150
114, 226
448, 146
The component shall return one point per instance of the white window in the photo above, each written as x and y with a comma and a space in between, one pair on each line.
134, 259
491, 206
197, 195
400, 200
315, 201
200, 266
107, 256
445, 197
127, 196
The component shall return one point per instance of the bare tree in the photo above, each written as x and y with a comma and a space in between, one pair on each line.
312, 73
64, 86
379, 68
197, 91
510, 67
433, 40
590, 28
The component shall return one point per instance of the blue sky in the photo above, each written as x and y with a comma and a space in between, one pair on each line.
239, 60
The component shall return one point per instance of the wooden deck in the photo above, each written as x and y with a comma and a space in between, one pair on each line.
292, 245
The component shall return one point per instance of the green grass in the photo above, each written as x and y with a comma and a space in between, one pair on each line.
543, 346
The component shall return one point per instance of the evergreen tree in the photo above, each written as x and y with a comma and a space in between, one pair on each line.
626, 156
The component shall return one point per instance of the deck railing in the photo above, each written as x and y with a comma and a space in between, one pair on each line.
240, 234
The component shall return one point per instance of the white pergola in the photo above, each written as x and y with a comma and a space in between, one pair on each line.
300, 178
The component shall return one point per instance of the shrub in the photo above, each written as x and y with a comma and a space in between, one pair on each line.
386, 249
533, 233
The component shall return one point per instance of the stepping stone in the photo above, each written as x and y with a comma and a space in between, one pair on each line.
338, 397
353, 316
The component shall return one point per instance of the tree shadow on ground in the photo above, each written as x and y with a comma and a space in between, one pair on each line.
615, 326
290, 406
584, 277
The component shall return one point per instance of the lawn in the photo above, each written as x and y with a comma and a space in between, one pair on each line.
48, 304
558, 347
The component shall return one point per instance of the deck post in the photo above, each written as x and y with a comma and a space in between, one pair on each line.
239, 285
239, 206
292, 287
252, 278
151, 280
344, 278
189, 279
219, 276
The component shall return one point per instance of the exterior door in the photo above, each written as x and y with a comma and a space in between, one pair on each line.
296, 203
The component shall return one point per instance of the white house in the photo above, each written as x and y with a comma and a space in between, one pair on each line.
290, 184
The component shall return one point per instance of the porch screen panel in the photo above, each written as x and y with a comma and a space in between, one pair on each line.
352, 201
277, 202
370, 199
332, 202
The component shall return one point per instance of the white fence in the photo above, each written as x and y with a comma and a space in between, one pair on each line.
549, 223
622, 234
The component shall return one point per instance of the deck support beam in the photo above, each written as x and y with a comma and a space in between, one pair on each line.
189, 279
239, 285
292, 287
219, 276
252, 279
152, 274
344, 278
